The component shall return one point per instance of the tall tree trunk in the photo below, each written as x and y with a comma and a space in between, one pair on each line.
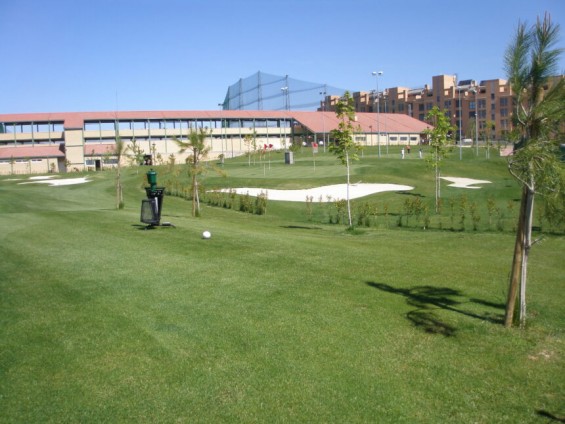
438, 193
525, 253
194, 193
347, 188
516, 270
119, 191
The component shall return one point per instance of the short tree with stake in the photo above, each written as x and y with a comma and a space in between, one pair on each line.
344, 146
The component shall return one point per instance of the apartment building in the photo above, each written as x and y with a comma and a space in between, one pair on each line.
482, 108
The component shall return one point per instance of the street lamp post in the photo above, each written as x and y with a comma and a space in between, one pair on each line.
221, 105
460, 125
458, 110
285, 94
286, 107
474, 91
377, 74
323, 94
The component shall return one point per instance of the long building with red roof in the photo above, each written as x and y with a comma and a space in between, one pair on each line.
78, 141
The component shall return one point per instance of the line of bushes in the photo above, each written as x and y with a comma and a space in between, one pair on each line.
455, 213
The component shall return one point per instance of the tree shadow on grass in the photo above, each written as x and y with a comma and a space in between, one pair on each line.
550, 416
427, 298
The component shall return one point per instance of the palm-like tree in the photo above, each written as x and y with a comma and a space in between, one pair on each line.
531, 61
344, 146
198, 151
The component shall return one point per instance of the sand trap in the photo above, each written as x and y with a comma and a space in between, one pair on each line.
321, 194
464, 182
42, 177
63, 182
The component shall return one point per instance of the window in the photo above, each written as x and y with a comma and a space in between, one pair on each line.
472, 105
503, 112
393, 138
447, 104
421, 107
429, 106
360, 138
482, 103
504, 102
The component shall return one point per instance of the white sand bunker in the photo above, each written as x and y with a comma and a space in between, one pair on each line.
321, 194
42, 177
63, 182
464, 182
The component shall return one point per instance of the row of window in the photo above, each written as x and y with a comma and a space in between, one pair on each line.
100, 140
8, 161
53, 127
30, 127
179, 124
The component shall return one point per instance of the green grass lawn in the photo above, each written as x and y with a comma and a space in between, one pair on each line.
279, 317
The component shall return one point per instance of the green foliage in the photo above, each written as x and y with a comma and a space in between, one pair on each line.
531, 62
137, 153
344, 145
439, 140
198, 150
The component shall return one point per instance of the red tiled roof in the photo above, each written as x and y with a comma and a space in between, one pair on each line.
37, 151
314, 121
319, 122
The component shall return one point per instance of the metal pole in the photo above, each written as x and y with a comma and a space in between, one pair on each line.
460, 129
460, 141
477, 119
377, 74
323, 94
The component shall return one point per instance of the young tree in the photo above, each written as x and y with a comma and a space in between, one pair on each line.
439, 138
250, 141
530, 61
344, 146
197, 152
137, 153
119, 151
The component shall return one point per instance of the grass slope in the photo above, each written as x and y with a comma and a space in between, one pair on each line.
274, 319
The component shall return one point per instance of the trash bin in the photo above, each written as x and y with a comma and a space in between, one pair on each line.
152, 206
289, 158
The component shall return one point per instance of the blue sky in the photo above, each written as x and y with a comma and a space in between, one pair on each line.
98, 55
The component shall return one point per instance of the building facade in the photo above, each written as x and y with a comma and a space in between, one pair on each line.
79, 141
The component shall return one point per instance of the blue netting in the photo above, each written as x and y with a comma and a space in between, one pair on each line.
263, 91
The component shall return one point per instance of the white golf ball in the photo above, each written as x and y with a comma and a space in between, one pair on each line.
206, 234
